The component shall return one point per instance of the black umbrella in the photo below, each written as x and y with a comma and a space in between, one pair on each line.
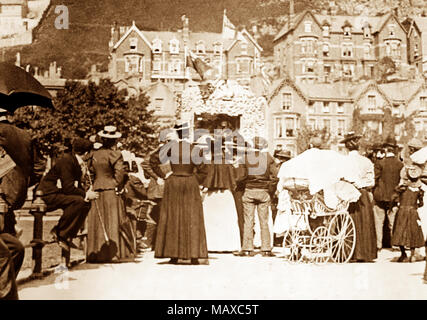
19, 88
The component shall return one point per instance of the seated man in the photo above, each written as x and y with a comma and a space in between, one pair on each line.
62, 189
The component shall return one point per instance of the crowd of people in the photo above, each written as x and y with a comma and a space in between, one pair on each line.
184, 209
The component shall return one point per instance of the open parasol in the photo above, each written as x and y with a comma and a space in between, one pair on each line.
420, 156
19, 88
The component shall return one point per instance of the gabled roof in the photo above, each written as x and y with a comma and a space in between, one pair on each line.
388, 17
337, 22
279, 84
401, 91
421, 24
423, 86
286, 28
368, 86
128, 32
232, 42
245, 32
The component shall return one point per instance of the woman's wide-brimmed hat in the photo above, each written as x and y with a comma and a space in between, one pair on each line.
109, 132
350, 136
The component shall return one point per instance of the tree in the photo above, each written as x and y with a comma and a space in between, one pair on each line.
306, 133
386, 67
84, 109
357, 124
388, 124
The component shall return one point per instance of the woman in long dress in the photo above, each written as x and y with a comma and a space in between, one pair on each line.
221, 219
362, 210
110, 233
181, 230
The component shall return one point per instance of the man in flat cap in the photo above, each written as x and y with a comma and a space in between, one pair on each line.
387, 177
62, 189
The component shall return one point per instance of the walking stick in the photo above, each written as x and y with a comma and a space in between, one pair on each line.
107, 239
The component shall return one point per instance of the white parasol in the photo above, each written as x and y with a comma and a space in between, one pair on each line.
420, 156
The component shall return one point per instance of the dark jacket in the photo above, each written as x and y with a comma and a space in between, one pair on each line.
387, 177
19, 146
259, 175
109, 169
181, 163
67, 170
155, 169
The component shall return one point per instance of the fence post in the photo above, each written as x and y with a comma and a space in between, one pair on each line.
38, 209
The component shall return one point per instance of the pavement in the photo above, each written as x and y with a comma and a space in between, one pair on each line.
228, 277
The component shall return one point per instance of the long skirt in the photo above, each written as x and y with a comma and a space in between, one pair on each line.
119, 229
363, 217
407, 232
181, 230
221, 223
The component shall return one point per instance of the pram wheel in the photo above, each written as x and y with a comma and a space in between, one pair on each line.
320, 245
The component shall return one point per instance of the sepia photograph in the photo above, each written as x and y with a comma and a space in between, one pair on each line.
228, 151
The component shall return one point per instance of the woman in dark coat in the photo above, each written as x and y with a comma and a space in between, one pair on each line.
108, 211
181, 230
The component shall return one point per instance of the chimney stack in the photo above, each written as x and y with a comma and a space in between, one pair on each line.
114, 34
396, 11
185, 30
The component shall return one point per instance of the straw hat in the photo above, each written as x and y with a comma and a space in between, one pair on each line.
109, 132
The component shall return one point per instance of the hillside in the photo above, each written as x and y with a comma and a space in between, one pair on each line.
86, 41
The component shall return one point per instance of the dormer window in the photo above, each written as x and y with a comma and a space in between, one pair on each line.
133, 44
217, 48
157, 46
200, 47
347, 31
307, 26
174, 46
325, 31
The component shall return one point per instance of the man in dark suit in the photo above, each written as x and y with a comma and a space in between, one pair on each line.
17, 144
62, 189
387, 177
